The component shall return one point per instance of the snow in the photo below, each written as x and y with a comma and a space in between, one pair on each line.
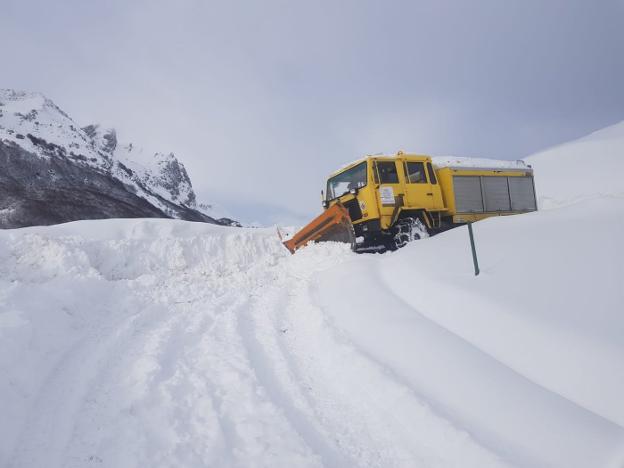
521, 355
150, 169
483, 163
591, 167
22, 113
163, 343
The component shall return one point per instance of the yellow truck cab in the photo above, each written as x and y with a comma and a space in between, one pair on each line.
377, 190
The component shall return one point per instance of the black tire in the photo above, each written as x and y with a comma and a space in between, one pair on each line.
405, 231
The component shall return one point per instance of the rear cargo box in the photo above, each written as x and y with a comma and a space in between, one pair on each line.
491, 191
486, 194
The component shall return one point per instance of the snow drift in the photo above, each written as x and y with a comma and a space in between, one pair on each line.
130, 343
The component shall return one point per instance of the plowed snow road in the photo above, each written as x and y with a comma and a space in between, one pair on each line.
162, 343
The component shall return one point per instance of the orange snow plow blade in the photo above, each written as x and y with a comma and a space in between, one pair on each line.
333, 224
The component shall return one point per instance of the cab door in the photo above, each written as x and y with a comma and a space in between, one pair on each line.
390, 191
421, 186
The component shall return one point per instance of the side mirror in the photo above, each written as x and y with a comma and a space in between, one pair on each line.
323, 201
353, 191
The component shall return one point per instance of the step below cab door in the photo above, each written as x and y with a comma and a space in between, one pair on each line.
421, 186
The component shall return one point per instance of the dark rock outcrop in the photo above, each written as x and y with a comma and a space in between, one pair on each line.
36, 191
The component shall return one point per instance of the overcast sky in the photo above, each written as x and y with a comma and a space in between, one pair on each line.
261, 100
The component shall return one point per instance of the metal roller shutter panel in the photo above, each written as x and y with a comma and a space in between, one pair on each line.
496, 193
522, 194
468, 194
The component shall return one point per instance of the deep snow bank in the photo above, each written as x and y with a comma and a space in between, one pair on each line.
528, 355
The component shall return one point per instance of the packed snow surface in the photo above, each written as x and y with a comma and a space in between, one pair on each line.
127, 343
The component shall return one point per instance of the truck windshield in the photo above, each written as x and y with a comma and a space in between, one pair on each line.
340, 184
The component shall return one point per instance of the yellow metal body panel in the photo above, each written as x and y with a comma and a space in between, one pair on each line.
385, 201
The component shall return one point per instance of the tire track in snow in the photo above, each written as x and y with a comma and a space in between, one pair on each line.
178, 372
250, 426
49, 426
328, 387
266, 357
379, 420
464, 384
244, 397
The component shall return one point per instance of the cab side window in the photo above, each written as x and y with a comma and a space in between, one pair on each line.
415, 173
432, 176
387, 172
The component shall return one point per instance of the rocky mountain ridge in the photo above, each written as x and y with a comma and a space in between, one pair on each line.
55, 171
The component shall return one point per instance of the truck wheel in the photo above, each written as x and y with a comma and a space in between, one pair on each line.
407, 230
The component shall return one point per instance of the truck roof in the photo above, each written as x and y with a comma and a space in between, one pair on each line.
399, 154
453, 162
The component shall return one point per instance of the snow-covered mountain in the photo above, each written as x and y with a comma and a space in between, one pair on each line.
160, 343
55, 171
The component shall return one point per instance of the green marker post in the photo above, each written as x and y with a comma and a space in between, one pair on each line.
474, 250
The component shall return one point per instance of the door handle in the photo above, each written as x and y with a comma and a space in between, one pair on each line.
430, 194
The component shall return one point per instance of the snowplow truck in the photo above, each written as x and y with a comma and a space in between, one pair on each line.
381, 203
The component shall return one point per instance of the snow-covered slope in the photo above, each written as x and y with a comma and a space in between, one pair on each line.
162, 343
38, 141
592, 166
162, 174
22, 113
